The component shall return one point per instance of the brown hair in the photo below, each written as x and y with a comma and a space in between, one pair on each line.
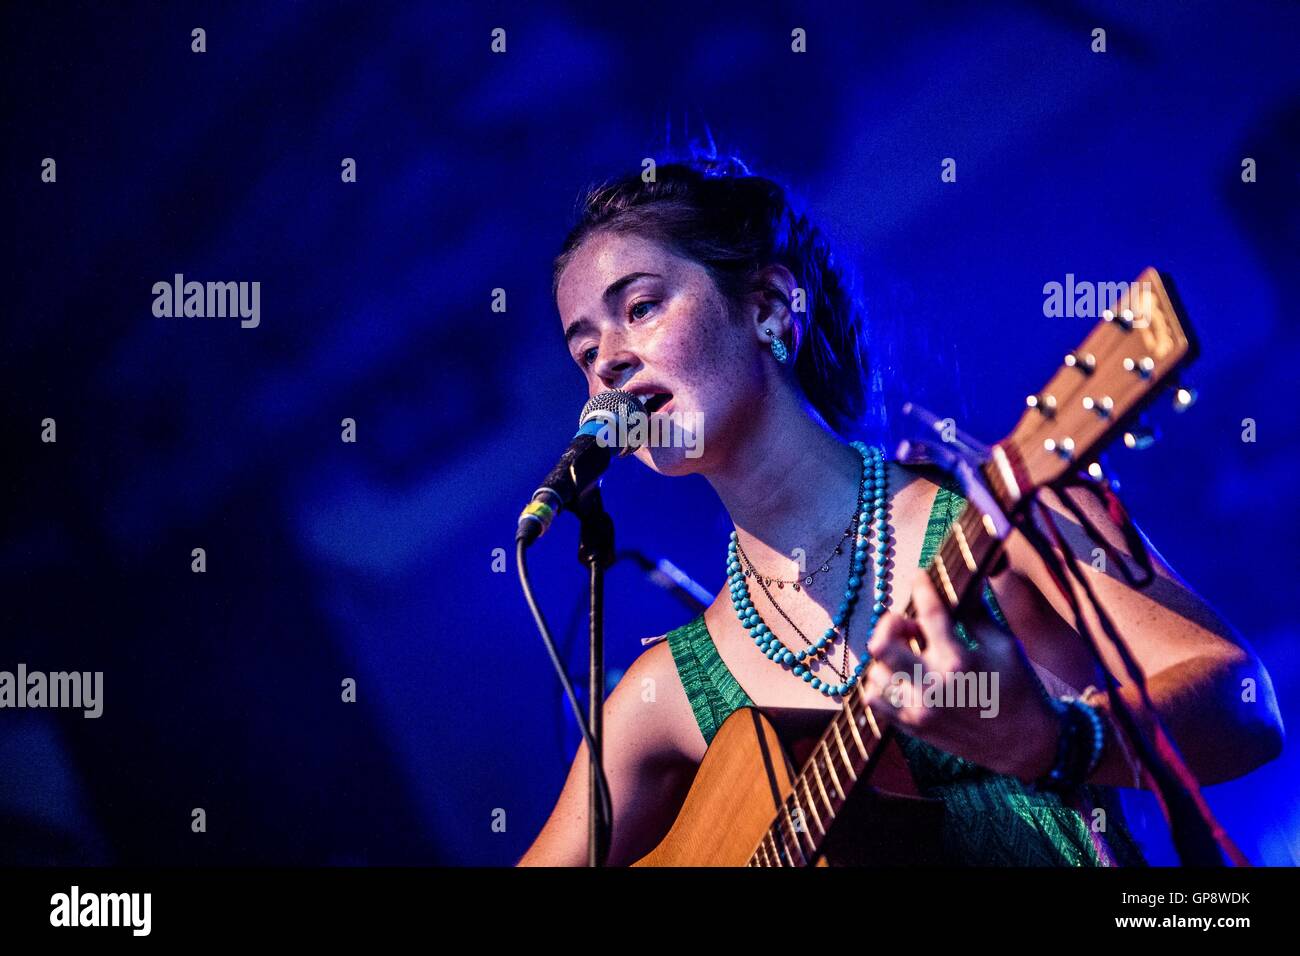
733, 223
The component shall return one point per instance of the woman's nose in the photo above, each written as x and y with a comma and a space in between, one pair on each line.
616, 368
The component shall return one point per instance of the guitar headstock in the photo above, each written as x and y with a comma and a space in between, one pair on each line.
1131, 354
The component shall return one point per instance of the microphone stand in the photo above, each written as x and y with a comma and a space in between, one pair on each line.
596, 550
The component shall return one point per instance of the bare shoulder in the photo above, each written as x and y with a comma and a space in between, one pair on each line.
650, 696
647, 764
912, 489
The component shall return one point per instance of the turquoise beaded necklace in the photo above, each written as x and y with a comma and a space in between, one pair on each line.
873, 535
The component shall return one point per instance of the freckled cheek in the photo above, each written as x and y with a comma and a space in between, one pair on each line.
673, 346
698, 334
704, 368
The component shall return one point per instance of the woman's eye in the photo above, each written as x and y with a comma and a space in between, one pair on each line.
587, 356
632, 313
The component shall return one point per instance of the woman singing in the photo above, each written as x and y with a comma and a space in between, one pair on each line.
704, 293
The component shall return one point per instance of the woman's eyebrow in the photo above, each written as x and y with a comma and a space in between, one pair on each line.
576, 329
618, 285
615, 287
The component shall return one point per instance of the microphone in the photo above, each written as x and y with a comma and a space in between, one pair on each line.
603, 426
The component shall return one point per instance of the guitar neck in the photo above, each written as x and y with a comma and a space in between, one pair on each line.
843, 755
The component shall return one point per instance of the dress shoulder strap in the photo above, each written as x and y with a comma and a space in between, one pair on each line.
710, 687
948, 506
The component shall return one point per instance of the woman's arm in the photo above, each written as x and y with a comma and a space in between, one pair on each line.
1212, 692
647, 771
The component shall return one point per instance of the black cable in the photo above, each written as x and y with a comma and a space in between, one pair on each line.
570, 635
606, 823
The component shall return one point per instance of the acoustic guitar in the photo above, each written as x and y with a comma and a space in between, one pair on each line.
852, 799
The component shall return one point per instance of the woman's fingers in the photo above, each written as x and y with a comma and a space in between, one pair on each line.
895, 642
892, 696
930, 611
935, 622
905, 650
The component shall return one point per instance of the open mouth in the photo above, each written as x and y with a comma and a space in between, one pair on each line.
655, 402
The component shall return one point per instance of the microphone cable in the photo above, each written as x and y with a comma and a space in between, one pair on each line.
605, 824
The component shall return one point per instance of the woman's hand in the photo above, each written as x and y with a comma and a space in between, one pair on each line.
1006, 723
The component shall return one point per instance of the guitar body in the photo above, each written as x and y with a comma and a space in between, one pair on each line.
742, 783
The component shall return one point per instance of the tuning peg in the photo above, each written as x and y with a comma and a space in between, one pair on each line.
1101, 406
1141, 367
1184, 398
1085, 362
1046, 404
1139, 437
1064, 447
1124, 320
1098, 473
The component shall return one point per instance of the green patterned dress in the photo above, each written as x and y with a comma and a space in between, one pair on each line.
990, 819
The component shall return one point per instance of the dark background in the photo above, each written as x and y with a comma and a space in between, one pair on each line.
374, 560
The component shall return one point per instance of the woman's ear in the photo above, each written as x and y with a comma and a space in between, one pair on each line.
768, 307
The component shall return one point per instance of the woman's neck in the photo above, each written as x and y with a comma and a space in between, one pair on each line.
788, 483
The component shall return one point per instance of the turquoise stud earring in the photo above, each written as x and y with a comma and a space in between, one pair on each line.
779, 351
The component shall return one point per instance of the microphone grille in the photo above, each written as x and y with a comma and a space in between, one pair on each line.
615, 406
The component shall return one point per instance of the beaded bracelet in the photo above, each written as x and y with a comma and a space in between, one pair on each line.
1115, 733
1078, 748
1098, 738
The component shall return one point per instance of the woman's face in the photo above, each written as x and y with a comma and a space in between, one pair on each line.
640, 318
